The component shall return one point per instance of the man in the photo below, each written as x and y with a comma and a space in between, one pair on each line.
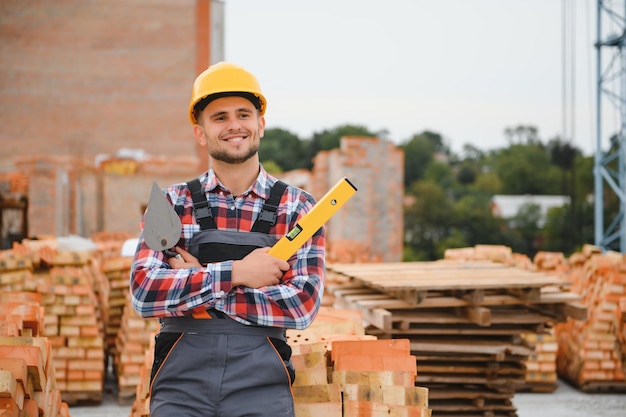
224, 302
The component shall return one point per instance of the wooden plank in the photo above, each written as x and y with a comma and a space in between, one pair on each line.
439, 276
491, 349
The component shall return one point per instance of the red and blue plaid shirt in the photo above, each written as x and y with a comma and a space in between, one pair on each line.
159, 291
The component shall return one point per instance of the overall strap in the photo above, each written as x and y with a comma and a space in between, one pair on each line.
201, 207
267, 216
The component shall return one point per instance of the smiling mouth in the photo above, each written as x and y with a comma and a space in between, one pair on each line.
234, 139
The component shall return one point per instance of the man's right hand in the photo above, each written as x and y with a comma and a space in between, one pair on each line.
258, 269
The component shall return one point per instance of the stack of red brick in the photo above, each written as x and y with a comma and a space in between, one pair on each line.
72, 320
353, 378
28, 386
592, 352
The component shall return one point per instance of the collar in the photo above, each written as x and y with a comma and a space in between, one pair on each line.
260, 187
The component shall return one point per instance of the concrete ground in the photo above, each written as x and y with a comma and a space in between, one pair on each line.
566, 401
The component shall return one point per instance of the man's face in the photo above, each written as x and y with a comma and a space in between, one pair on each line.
232, 128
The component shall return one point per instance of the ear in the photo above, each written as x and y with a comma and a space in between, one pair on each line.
261, 126
198, 133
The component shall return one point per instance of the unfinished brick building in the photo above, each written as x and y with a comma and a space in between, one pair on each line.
93, 98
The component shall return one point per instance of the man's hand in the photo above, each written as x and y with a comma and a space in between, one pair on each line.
258, 269
183, 260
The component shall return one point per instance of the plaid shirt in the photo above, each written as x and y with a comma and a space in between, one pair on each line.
159, 291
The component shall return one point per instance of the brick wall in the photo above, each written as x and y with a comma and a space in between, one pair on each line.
82, 78
370, 226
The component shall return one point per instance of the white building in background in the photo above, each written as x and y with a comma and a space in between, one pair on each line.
507, 206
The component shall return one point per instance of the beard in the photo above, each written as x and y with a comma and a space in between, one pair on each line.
225, 156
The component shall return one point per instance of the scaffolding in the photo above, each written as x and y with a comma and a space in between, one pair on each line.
610, 161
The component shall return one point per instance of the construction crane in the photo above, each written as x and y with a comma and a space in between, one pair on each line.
610, 162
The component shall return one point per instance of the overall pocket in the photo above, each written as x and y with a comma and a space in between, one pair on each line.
284, 350
163, 345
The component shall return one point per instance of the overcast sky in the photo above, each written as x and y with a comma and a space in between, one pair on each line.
466, 69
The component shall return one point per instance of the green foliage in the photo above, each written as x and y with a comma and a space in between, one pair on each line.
284, 148
419, 152
440, 174
426, 221
488, 183
466, 174
330, 139
272, 167
526, 169
451, 195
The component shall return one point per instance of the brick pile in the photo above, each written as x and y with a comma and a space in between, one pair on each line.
73, 324
28, 386
353, 378
621, 330
88, 317
134, 339
141, 404
340, 371
591, 352
541, 374
72, 320
465, 317
127, 335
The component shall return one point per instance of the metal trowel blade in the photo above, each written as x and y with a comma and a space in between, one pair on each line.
162, 226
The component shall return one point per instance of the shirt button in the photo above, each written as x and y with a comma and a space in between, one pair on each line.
232, 207
219, 294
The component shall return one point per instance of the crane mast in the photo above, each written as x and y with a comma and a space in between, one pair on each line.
610, 161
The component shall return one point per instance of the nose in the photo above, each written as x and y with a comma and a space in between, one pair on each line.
233, 124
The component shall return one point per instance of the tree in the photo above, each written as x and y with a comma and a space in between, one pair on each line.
419, 151
522, 135
526, 169
441, 174
466, 174
284, 148
427, 220
527, 223
474, 220
330, 139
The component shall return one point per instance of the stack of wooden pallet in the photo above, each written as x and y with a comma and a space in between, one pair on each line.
27, 377
541, 373
464, 320
590, 353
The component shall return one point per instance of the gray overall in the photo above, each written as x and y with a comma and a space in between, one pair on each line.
220, 367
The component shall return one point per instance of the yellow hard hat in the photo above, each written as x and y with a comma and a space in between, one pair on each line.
225, 79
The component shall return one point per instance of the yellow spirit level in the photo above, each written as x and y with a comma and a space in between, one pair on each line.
311, 222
